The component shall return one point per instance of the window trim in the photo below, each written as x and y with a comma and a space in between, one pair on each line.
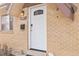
10, 19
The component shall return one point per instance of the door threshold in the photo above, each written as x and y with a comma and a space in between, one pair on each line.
38, 50
35, 52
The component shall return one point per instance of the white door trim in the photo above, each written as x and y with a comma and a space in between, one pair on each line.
29, 24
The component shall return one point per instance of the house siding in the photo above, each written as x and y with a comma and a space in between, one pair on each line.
16, 39
62, 32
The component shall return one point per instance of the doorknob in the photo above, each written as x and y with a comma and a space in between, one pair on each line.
31, 27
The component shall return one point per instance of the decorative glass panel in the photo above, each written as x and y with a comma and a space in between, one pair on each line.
38, 12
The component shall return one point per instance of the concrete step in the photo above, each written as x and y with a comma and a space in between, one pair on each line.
35, 53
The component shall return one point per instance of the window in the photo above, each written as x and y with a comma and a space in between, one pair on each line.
6, 23
38, 12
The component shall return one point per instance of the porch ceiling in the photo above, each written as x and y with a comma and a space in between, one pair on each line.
29, 4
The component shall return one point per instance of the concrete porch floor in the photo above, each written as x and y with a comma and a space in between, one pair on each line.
35, 53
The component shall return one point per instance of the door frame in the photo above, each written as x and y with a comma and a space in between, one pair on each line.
29, 18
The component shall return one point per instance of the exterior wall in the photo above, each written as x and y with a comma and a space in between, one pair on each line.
16, 39
63, 33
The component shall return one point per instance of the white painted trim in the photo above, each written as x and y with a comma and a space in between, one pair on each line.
10, 6
46, 26
29, 24
29, 29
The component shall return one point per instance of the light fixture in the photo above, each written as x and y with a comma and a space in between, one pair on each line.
22, 15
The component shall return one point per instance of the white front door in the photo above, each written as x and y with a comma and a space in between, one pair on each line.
38, 28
